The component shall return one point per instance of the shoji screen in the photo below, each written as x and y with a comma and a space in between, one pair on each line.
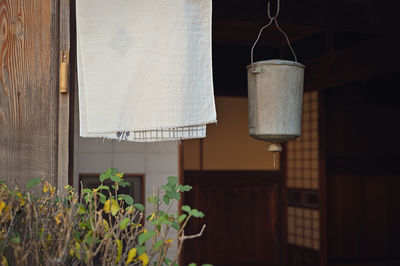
302, 180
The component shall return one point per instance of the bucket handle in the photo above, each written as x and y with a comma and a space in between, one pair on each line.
271, 20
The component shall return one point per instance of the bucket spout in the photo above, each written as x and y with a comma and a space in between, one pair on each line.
274, 148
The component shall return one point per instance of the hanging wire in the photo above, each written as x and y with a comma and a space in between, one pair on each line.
271, 20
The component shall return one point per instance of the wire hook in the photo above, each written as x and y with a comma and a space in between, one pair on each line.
277, 10
271, 20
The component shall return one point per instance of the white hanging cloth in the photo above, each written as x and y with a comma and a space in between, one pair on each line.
145, 69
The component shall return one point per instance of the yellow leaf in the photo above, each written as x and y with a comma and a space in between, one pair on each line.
119, 244
7, 212
131, 255
22, 200
58, 218
2, 205
152, 216
105, 225
46, 187
144, 258
71, 252
111, 205
4, 261
77, 250
168, 241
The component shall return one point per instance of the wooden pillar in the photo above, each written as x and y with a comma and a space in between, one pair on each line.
29, 91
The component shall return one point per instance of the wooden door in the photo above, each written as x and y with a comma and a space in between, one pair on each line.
242, 218
30, 41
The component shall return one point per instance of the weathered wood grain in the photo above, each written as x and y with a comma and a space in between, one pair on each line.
64, 102
28, 89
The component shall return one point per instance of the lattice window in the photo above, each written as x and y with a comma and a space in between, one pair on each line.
303, 227
302, 179
303, 153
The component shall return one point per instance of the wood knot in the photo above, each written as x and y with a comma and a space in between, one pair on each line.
17, 27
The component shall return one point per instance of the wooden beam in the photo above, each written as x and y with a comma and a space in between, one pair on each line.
360, 62
346, 16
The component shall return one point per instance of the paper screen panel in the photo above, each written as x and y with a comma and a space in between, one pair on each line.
303, 153
303, 227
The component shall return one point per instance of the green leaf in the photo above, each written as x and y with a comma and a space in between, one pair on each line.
33, 182
139, 206
124, 223
186, 208
166, 199
128, 199
114, 171
16, 240
158, 244
146, 236
181, 218
81, 209
172, 181
175, 225
196, 213
116, 179
206, 264
103, 187
109, 171
185, 188
173, 194
192, 264
86, 191
88, 238
124, 184
103, 177
141, 250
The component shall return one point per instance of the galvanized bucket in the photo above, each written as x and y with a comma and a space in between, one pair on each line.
275, 99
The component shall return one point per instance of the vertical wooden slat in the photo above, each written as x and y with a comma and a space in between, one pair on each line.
322, 179
64, 101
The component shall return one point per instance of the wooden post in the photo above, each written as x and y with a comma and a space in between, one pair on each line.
28, 91
64, 97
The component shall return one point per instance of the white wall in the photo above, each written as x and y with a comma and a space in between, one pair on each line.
156, 161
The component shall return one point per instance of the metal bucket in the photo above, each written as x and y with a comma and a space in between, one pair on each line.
275, 99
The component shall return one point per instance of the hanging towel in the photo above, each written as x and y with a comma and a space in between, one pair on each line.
144, 69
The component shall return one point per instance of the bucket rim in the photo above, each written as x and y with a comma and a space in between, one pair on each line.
277, 62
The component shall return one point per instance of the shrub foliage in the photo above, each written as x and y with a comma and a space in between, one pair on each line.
93, 227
